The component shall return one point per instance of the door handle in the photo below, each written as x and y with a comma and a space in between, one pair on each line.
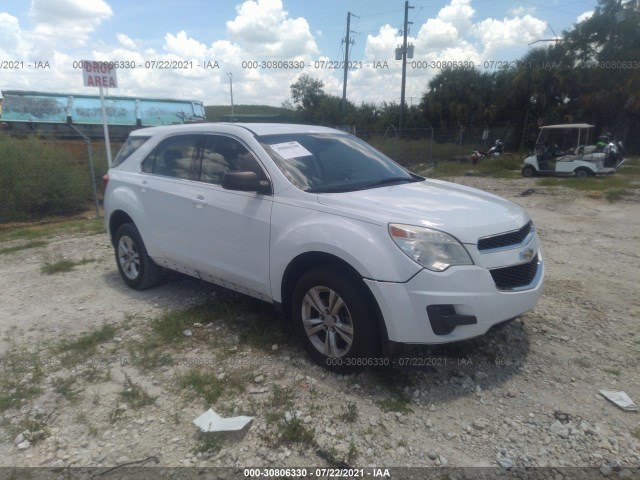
199, 201
143, 186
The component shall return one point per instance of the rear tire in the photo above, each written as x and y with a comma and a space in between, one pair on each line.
335, 320
583, 172
134, 264
528, 171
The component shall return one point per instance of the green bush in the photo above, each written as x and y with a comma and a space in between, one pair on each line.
41, 178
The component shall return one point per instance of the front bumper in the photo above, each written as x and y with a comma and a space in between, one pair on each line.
470, 290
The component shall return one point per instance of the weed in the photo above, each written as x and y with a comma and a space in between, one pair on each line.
613, 371
352, 455
134, 394
350, 415
60, 264
24, 246
118, 413
294, 431
20, 377
399, 404
205, 385
208, 441
66, 387
97, 374
85, 345
34, 427
615, 194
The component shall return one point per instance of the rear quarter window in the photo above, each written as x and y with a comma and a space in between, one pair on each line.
131, 145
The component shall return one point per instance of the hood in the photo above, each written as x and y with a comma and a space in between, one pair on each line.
464, 212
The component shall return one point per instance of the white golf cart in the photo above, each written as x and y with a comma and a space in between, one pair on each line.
575, 157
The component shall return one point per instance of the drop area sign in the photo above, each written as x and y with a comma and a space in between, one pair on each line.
99, 74
102, 75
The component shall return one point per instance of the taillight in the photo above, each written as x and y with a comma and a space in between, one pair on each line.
105, 180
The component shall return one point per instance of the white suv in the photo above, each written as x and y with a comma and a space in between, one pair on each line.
356, 250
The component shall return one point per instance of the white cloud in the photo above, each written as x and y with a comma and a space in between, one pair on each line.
68, 20
263, 27
458, 13
495, 34
436, 34
521, 10
126, 41
584, 16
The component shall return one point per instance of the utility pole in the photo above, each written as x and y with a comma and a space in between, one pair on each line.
348, 42
231, 91
404, 63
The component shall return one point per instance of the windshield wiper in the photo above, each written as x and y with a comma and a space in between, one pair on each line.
388, 181
353, 188
334, 189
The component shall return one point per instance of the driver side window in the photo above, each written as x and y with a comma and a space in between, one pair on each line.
221, 154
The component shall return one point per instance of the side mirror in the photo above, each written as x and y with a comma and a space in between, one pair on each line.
245, 182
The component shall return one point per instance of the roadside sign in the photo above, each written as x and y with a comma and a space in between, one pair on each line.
102, 75
99, 74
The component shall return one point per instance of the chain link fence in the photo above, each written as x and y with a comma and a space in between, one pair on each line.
431, 146
45, 175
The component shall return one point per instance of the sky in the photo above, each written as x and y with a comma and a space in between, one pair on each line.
216, 42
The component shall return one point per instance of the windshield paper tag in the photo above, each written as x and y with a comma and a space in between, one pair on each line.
289, 150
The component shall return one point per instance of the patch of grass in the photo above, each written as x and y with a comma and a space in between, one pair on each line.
204, 384
613, 371
294, 431
135, 395
66, 387
350, 414
584, 362
399, 404
613, 187
20, 377
62, 265
208, 442
615, 194
636, 433
32, 231
253, 322
85, 345
97, 374
504, 166
352, 455
24, 246
35, 426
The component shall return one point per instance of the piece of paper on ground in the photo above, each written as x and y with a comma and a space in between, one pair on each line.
621, 399
210, 421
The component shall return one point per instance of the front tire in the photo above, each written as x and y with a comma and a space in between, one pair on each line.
528, 171
334, 319
134, 264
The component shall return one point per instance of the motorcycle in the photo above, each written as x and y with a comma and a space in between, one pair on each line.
495, 151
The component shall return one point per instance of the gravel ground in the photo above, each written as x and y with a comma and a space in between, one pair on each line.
524, 395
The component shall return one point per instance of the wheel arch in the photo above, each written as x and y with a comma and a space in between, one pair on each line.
117, 219
309, 260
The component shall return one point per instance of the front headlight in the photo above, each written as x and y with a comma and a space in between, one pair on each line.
432, 249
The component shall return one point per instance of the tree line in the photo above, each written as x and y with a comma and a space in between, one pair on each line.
590, 74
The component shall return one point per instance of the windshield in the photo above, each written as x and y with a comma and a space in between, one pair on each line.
332, 162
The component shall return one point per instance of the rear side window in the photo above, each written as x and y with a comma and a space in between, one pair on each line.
175, 157
130, 146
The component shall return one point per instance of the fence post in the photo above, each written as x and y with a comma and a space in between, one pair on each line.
91, 169
431, 147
